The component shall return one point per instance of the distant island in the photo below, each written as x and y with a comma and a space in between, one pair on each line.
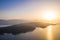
22, 28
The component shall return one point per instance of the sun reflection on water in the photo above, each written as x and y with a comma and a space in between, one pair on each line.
49, 33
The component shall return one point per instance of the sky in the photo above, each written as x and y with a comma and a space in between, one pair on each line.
27, 9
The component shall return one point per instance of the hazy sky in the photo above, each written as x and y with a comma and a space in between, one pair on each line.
23, 9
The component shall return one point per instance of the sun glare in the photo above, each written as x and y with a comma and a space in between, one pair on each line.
49, 15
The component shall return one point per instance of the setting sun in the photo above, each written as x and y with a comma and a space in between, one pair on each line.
49, 15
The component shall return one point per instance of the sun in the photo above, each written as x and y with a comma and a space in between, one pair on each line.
49, 15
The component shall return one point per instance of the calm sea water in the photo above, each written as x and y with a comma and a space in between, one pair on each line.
49, 33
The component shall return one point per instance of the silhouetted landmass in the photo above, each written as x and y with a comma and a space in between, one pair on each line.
22, 28
39, 24
16, 29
